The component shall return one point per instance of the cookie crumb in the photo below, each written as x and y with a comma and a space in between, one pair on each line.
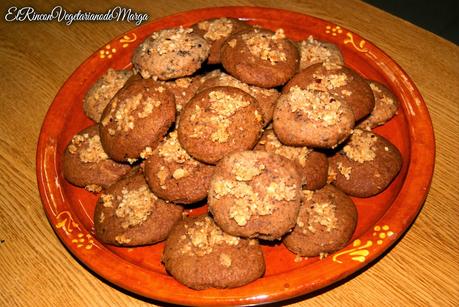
94, 188
107, 200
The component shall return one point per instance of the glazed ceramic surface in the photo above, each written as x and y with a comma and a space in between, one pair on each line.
382, 218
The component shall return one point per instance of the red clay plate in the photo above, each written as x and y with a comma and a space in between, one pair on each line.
382, 219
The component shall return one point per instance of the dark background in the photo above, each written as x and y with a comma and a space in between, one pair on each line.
438, 16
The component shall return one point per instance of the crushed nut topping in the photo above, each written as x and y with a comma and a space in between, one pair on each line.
232, 43
331, 175
216, 29
162, 175
314, 51
299, 154
180, 173
92, 152
360, 147
222, 106
94, 188
322, 213
317, 106
135, 206
107, 200
345, 171
122, 239
183, 82
171, 40
247, 169
329, 82
248, 202
265, 46
375, 88
308, 194
203, 236
171, 150
146, 152
225, 260
226, 105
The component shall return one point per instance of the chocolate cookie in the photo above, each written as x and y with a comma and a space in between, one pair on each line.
216, 31
366, 165
102, 92
342, 82
171, 53
174, 175
311, 165
200, 255
325, 224
218, 121
129, 214
260, 57
314, 51
86, 164
386, 105
136, 119
305, 117
255, 194
266, 98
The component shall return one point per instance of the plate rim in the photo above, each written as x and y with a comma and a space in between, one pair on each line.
426, 144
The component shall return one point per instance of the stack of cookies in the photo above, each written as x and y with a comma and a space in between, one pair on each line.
274, 134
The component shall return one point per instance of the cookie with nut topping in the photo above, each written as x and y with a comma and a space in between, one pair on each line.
313, 51
86, 164
171, 53
342, 82
311, 165
260, 57
174, 175
366, 165
129, 214
200, 255
386, 105
255, 194
325, 224
136, 119
305, 117
216, 31
219, 121
100, 94
266, 98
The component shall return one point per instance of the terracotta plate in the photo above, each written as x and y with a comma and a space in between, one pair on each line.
382, 219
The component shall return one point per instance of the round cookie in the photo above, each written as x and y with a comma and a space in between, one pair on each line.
129, 214
311, 165
386, 105
304, 117
183, 90
216, 31
325, 224
255, 194
136, 119
266, 98
342, 82
200, 255
171, 53
218, 121
102, 92
85, 163
174, 175
366, 165
260, 57
314, 51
